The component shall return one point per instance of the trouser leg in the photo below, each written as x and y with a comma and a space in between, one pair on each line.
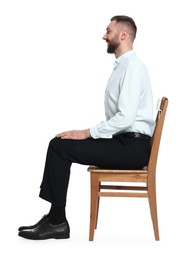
118, 152
56, 175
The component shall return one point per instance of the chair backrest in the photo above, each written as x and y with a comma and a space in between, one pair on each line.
156, 138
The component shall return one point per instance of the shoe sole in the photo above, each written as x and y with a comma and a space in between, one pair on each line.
61, 237
44, 238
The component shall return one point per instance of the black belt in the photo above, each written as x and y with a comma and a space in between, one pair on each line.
137, 135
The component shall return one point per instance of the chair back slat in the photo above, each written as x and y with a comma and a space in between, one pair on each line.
156, 138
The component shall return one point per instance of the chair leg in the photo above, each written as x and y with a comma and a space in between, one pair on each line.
98, 203
94, 205
153, 209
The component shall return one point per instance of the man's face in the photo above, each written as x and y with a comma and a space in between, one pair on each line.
112, 37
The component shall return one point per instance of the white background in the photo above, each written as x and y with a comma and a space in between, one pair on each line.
53, 71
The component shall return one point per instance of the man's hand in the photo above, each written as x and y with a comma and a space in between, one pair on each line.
75, 134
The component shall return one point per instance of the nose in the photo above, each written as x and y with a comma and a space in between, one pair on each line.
104, 37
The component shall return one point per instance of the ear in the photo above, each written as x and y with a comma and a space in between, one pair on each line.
124, 35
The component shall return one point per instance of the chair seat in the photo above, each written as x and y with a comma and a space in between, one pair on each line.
113, 175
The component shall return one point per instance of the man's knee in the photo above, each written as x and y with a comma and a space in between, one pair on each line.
54, 142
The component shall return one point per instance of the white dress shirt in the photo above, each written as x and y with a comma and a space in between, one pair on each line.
128, 100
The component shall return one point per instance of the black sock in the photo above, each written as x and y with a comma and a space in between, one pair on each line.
57, 214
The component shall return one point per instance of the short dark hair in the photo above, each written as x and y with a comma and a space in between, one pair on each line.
127, 21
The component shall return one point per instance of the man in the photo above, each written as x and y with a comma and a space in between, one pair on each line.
122, 141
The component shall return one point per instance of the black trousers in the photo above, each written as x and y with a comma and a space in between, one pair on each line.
120, 152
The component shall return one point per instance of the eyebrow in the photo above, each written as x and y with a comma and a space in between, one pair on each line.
108, 29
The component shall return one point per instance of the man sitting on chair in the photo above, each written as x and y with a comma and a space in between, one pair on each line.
122, 141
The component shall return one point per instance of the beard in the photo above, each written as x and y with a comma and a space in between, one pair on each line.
112, 46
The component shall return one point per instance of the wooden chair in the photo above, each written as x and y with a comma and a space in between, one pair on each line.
146, 176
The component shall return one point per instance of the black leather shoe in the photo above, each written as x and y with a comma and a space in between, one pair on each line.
34, 226
45, 230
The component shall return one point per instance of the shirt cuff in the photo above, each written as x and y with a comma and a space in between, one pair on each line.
95, 134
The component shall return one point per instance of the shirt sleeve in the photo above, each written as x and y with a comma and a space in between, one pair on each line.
131, 84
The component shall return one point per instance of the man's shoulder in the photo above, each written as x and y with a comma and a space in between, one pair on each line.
134, 62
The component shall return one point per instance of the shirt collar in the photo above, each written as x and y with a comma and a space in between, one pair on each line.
123, 57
